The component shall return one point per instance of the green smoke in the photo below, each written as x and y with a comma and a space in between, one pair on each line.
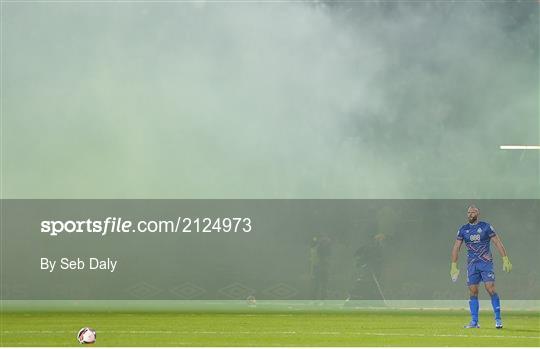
279, 100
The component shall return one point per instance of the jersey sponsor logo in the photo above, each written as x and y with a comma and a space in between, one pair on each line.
479, 230
474, 237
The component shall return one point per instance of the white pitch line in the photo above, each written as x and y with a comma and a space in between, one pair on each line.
294, 332
519, 147
444, 335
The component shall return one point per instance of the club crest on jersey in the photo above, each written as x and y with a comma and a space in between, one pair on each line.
479, 230
475, 238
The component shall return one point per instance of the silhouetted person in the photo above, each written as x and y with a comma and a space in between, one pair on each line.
319, 264
368, 260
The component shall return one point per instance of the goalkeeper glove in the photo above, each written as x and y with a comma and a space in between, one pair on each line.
507, 266
454, 271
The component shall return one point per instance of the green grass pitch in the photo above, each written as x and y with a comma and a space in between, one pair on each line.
254, 327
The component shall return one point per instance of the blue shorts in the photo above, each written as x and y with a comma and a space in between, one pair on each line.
480, 271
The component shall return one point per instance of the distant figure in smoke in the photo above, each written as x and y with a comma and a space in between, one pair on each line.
319, 264
368, 260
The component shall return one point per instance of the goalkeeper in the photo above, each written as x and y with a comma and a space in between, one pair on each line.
477, 236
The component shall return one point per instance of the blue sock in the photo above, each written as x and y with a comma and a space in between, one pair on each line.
496, 303
474, 305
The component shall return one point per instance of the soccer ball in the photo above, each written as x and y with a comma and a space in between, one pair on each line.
86, 336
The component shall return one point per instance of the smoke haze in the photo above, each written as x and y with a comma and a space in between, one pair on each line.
270, 100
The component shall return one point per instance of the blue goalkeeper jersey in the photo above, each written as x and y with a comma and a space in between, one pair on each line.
477, 238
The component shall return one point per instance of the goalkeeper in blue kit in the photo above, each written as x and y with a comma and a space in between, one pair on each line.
477, 236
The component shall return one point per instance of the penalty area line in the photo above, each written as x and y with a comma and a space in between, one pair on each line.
519, 147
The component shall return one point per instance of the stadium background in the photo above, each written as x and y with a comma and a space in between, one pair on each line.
296, 100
